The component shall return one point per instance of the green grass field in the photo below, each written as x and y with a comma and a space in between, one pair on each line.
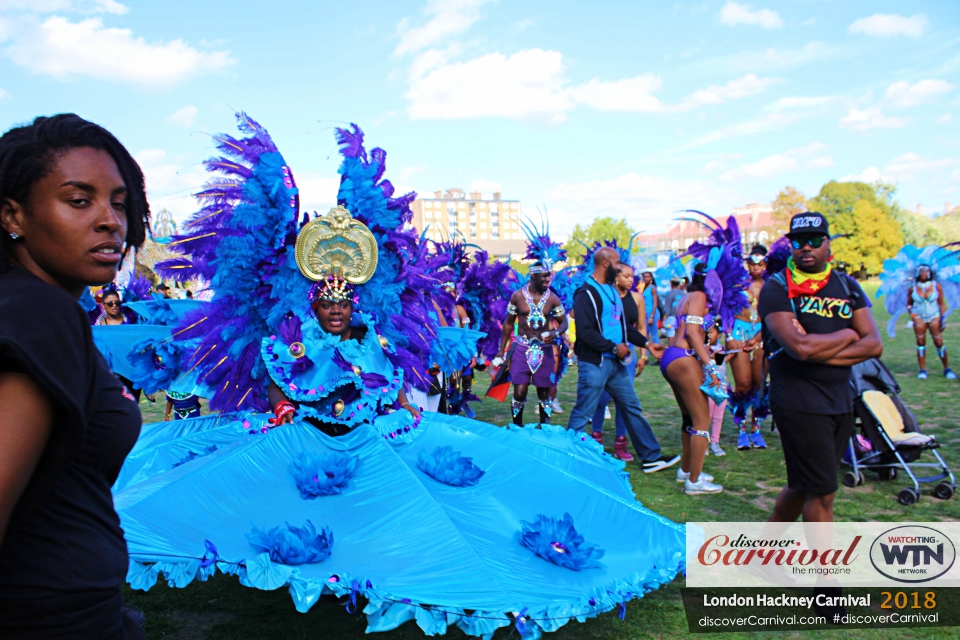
222, 609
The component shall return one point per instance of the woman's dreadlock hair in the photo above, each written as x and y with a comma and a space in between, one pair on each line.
29, 152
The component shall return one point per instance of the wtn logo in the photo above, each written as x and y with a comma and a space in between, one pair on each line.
895, 554
912, 553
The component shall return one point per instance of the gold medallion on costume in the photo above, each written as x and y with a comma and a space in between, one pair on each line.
337, 245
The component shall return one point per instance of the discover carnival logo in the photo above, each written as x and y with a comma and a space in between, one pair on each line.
912, 554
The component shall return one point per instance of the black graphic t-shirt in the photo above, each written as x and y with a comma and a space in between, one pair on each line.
812, 387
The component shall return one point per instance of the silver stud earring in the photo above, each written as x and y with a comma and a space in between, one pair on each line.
14, 235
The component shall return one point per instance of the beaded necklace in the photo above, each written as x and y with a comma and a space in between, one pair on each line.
536, 319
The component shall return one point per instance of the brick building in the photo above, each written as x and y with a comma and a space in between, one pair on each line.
492, 224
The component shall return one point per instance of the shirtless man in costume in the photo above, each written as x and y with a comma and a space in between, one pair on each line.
532, 357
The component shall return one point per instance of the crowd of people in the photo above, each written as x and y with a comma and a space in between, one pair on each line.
344, 344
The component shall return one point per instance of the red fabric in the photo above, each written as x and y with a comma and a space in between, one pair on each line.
808, 288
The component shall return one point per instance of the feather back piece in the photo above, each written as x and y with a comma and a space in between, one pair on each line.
722, 251
241, 241
900, 273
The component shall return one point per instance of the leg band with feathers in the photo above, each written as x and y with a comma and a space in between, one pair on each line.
761, 407
942, 352
921, 351
737, 404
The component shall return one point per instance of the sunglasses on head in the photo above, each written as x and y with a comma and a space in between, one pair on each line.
756, 258
815, 242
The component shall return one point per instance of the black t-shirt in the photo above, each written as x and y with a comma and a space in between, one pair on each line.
812, 387
64, 535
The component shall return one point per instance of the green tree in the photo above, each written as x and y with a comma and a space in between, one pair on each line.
599, 230
862, 214
788, 202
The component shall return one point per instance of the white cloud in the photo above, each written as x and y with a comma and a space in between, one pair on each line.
765, 168
734, 13
946, 118
448, 18
870, 118
170, 184
911, 167
870, 174
762, 124
722, 162
66, 50
631, 94
80, 6
318, 192
3, 94
903, 94
778, 163
772, 57
890, 24
184, 117
748, 85
819, 163
532, 85
799, 102
527, 85
645, 201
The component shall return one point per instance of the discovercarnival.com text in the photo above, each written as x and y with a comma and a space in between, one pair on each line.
837, 619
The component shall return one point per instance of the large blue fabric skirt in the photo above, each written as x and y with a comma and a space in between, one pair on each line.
417, 548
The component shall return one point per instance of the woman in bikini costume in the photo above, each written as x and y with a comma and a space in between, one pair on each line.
927, 307
684, 364
747, 361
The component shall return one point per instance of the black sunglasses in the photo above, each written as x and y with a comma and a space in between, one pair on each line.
112, 303
815, 242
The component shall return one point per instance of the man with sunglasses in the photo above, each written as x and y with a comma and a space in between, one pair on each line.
817, 324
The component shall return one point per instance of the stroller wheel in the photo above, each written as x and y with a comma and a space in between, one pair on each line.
851, 479
887, 474
944, 491
908, 496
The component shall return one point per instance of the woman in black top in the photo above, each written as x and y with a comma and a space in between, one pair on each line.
72, 202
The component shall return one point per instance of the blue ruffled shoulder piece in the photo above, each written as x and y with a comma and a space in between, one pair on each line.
165, 312
454, 348
346, 382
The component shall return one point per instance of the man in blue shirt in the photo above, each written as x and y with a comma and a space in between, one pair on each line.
605, 359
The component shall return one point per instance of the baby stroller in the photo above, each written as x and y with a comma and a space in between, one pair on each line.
890, 439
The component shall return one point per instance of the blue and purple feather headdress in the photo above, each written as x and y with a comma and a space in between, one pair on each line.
727, 278
242, 241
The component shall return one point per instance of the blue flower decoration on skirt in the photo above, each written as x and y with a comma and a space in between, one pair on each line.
558, 541
445, 465
323, 475
293, 545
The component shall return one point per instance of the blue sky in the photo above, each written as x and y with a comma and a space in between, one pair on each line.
588, 109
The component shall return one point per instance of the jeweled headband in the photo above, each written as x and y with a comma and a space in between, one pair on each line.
337, 252
538, 267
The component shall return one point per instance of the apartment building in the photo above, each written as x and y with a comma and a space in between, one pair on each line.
492, 224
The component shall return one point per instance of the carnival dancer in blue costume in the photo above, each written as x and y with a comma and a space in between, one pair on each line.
716, 292
542, 323
924, 282
747, 360
445, 520
479, 288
